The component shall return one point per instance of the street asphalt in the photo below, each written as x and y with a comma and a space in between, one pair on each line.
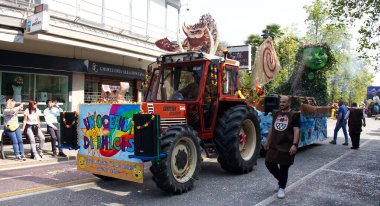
323, 174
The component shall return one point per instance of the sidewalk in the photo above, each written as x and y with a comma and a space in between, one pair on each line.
10, 161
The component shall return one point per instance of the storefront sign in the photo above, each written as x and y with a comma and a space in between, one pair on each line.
43, 62
241, 54
113, 70
105, 138
11, 35
38, 23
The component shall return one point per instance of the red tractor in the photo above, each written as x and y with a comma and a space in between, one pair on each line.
195, 96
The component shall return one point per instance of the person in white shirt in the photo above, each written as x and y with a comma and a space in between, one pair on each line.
51, 113
31, 128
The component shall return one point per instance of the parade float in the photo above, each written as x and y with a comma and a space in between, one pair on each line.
191, 102
306, 88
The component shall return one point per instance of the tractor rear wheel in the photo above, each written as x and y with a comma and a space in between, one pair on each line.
238, 139
176, 173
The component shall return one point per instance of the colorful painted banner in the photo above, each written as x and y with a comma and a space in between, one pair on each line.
111, 168
313, 128
105, 138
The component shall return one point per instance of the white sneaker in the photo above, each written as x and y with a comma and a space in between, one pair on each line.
37, 157
281, 193
41, 155
23, 158
18, 158
276, 188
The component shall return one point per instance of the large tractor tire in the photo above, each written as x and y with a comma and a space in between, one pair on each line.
177, 172
238, 139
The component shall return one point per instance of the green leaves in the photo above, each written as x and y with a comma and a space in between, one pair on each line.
365, 14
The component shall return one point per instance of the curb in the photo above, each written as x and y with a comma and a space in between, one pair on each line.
13, 164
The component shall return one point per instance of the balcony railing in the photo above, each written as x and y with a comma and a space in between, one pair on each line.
21, 3
88, 12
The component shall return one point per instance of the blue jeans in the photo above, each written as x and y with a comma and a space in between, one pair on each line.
344, 128
16, 137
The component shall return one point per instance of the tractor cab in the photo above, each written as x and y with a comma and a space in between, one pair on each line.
204, 83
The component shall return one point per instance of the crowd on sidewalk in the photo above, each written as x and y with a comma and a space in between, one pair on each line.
31, 128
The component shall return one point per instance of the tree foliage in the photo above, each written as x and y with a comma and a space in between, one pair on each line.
349, 76
255, 40
287, 48
365, 13
315, 21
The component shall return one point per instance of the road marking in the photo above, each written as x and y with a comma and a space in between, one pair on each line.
368, 150
47, 187
46, 191
36, 165
351, 173
7, 178
273, 197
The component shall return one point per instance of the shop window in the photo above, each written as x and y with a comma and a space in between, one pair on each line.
23, 87
51, 87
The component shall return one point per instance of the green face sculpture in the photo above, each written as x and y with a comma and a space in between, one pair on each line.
315, 57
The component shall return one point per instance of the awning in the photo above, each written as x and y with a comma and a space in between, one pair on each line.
11, 35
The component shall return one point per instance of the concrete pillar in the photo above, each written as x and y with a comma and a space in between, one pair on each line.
76, 96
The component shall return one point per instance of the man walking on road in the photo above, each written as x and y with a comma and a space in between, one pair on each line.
282, 143
341, 122
355, 124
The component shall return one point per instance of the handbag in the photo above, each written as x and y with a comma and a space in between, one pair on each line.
13, 126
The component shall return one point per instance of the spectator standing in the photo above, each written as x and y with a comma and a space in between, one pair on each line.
341, 122
12, 128
282, 143
51, 114
355, 122
31, 128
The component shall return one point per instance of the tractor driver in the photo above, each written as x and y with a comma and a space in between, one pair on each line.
191, 91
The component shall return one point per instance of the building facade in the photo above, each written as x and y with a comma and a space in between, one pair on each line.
67, 50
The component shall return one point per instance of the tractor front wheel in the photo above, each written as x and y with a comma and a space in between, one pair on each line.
176, 173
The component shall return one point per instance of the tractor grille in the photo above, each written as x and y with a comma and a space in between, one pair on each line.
150, 108
167, 122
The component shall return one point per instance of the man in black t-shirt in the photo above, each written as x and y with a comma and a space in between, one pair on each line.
355, 122
282, 143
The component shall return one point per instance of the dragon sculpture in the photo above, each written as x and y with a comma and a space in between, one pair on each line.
202, 36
